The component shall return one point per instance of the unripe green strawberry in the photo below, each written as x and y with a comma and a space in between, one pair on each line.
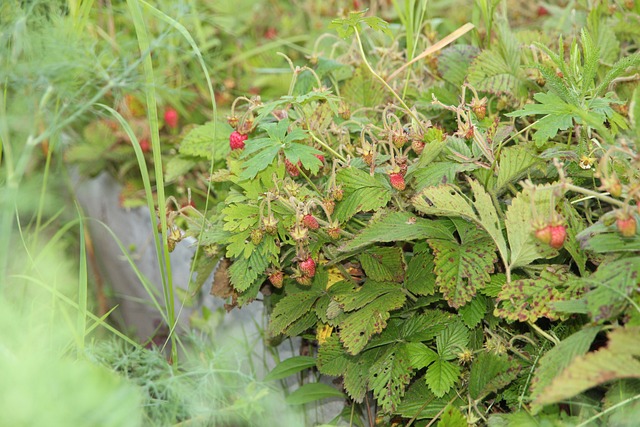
299, 234
303, 280
270, 224
334, 232
344, 111
399, 138
236, 140
558, 236
310, 222
329, 205
397, 181
276, 278
256, 236
417, 146
337, 193
308, 267
543, 234
233, 121
626, 225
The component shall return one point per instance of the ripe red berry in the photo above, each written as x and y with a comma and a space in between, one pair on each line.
320, 157
397, 181
291, 168
171, 118
310, 222
145, 145
276, 278
558, 236
626, 226
308, 267
236, 140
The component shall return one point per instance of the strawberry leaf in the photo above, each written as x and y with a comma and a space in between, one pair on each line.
463, 267
441, 376
362, 193
202, 141
383, 264
390, 375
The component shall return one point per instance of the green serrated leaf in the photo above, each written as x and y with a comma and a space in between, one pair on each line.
519, 219
454, 61
514, 163
312, 392
209, 141
353, 298
389, 377
527, 300
245, 271
488, 216
290, 366
383, 264
420, 403
362, 193
332, 358
239, 217
489, 373
452, 417
420, 355
463, 267
559, 357
361, 90
359, 326
616, 361
291, 308
444, 200
421, 279
473, 313
441, 376
397, 226
452, 340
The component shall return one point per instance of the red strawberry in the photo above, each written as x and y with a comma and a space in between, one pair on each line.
558, 236
397, 181
236, 140
542, 11
171, 118
145, 145
310, 222
308, 267
291, 168
276, 279
626, 226
320, 157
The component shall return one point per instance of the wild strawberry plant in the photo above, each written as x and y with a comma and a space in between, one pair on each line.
467, 251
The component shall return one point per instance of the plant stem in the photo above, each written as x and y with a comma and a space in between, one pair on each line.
595, 194
383, 81
326, 147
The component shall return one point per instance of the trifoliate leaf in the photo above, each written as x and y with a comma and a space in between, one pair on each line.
619, 359
358, 327
383, 264
420, 355
306, 155
397, 226
441, 376
559, 357
463, 267
209, 141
